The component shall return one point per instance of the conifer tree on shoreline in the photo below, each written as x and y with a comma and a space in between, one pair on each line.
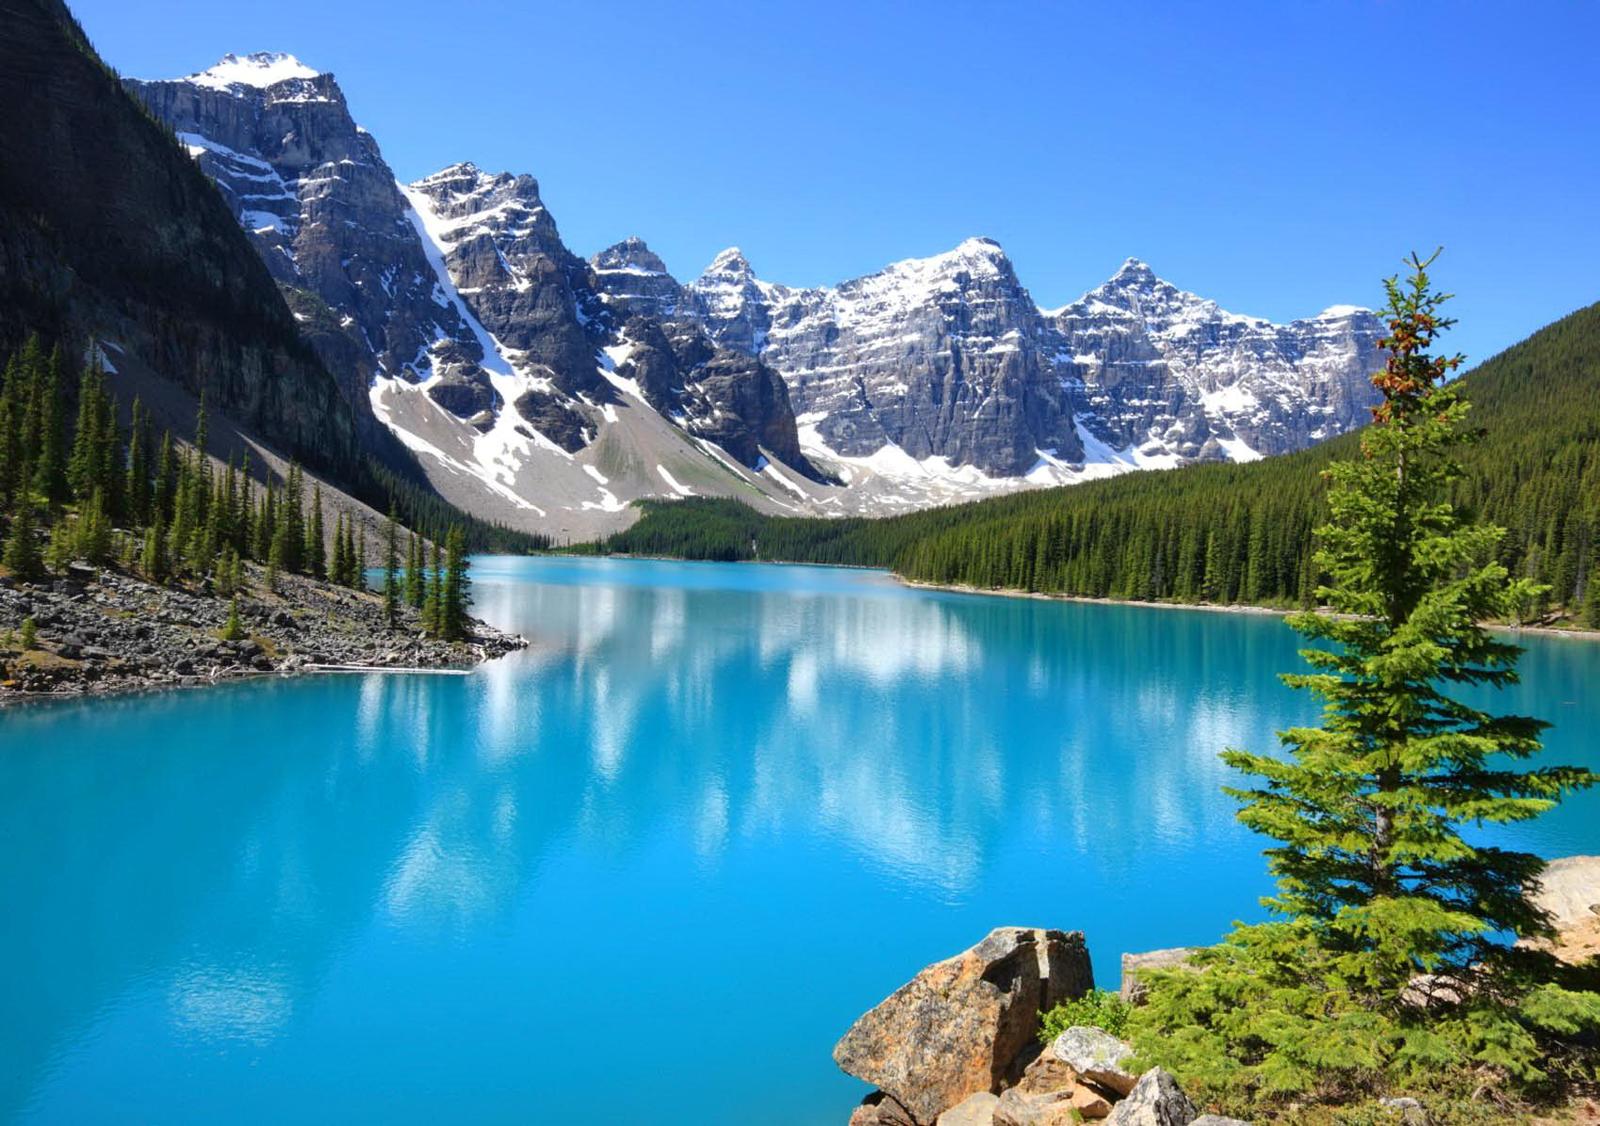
1392, 957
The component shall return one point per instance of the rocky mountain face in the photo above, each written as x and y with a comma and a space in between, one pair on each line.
948, 358
944, 357
311, 189
549, 390
1170, 374
507, 262
108, 232
457, 315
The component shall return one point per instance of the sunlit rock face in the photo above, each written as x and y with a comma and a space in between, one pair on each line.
940, 357
314, 193
453, 313
1168, 373
947, 357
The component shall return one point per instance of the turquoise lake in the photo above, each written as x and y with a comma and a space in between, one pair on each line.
648, 870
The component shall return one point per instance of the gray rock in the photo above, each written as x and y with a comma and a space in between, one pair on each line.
956, 1027
1060, 1107
949, 356
974, 1110
879, 1109
1096, 1055
1218, 1120
1156, 1100
1410, 1111
1132, 989
1569, 888
1170, 372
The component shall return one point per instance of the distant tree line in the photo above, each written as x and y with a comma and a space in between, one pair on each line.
106, 495
1224, 533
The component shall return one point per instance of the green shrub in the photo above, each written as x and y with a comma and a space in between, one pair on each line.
233, 629
1098, 1008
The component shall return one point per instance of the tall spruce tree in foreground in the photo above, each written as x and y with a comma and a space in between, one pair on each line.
1391, 959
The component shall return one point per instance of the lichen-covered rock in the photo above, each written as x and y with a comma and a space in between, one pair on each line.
956, 1027
1156, 1100
1097, 1056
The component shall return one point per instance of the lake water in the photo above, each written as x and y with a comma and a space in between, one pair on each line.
648, 870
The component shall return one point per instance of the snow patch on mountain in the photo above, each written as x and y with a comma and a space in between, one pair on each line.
261, 69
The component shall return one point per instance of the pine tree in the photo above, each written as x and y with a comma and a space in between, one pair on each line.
316, 549
455, 592
432, 604
59, 548
233, 628
50, 472
1377, 885
11, 411
289, 538
30, 371
136, 492
265, 524
391, 569
1591, 595
84, 465
153, 557
337, 565
30, 634
166, 483
21, 556
92, 535
414, 583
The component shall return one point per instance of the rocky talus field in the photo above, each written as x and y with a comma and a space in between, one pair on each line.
100, 631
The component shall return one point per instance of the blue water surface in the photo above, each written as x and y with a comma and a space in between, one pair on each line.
648, 870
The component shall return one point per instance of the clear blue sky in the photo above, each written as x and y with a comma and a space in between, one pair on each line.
1276, 157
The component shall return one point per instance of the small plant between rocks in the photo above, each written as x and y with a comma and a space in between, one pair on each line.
1098, 1008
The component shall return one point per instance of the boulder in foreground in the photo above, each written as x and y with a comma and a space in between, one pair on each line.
1156, 1100
1097, 1056
956, 1028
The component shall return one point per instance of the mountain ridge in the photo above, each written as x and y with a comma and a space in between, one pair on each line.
468, 329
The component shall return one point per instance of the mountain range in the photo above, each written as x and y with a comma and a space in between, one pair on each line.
548, 391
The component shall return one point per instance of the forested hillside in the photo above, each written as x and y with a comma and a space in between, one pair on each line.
1222, 533
113, 242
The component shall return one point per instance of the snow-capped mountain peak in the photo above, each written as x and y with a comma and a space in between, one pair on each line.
632, 255
260, 69
729, 262
1339, 312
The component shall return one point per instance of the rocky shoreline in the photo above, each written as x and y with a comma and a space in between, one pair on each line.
101, 631
959, 1044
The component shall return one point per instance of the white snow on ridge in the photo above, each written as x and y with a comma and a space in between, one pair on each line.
197, 144
418, 444
678, 487
429, 229
502, 451
261, 69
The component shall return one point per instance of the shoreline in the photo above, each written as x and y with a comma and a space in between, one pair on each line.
1574, 633
103, 633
